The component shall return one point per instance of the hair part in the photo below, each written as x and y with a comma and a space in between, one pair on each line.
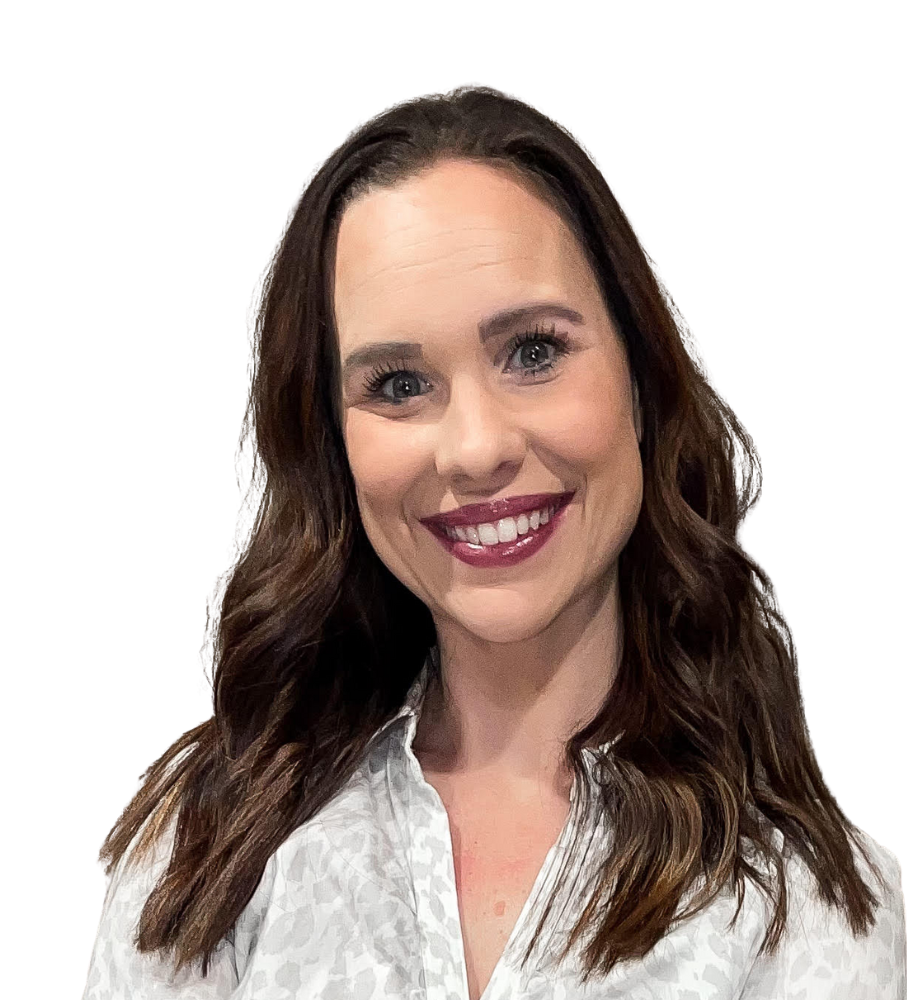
316, 643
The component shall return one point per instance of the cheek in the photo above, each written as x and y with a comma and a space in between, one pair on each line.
590, 426
381, 459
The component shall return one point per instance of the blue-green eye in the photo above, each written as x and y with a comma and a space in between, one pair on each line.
535, 361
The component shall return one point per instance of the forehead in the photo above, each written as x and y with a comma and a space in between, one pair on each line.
448, 197
462, 232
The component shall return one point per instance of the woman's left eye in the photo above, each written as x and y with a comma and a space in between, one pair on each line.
530, 350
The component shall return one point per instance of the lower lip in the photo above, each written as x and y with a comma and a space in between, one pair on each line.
504, 553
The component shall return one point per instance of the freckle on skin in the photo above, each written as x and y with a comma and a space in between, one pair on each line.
499, 908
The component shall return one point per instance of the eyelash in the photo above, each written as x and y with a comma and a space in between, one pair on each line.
561, 343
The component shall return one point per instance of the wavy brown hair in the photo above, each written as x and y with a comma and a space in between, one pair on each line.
316, 643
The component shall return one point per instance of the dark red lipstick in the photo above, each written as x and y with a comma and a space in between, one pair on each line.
494, 510
504, 553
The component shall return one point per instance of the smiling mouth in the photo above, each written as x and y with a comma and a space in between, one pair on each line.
504, 543
487, 534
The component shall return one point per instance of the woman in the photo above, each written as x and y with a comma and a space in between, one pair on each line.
493, 625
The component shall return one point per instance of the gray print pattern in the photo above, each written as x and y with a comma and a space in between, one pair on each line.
360, 903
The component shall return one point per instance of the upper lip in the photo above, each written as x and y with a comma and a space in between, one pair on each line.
494, 510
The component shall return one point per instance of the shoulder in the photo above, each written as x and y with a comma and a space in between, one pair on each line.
820, 956
888, 864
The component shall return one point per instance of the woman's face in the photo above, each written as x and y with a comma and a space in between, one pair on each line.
475, 418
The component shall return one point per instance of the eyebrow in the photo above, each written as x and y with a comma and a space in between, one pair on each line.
491, 326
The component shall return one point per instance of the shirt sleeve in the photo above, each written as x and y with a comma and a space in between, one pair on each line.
117, 971
820, 958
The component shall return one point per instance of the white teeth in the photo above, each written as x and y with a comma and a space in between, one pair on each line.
505, 530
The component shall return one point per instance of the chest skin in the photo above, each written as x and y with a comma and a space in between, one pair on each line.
499, 847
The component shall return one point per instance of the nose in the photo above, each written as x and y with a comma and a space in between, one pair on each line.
477, 434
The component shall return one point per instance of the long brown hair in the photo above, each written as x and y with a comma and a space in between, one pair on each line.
316, 642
